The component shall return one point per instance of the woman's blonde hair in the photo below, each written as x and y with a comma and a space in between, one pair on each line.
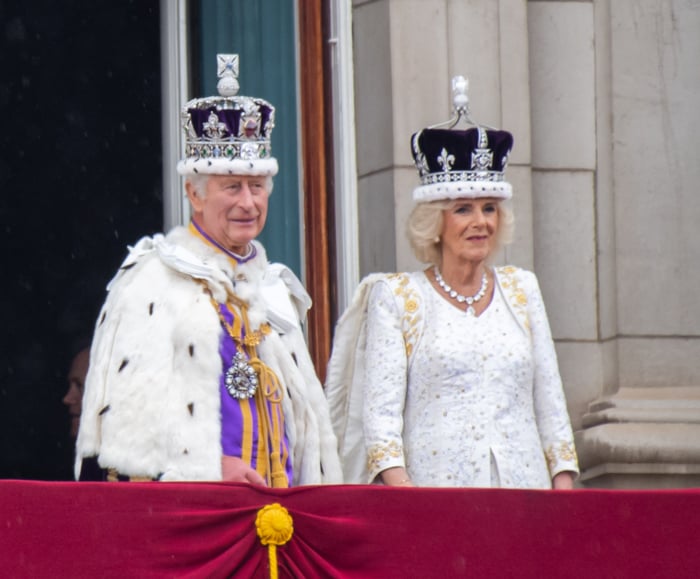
426, 221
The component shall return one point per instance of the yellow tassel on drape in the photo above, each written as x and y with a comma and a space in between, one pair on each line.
275, 527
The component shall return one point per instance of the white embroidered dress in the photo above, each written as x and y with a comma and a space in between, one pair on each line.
463, 401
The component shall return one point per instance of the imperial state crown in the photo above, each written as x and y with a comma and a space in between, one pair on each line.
228, 134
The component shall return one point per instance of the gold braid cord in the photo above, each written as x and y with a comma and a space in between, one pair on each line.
275, 527
269, 389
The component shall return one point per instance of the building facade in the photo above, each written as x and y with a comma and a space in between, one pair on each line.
599, 94
600, 97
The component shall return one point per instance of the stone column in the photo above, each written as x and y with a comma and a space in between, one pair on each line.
644, 429
602, 99
406, 53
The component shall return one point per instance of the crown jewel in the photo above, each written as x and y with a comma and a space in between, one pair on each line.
228, 133
456, 163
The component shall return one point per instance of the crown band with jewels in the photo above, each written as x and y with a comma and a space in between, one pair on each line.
228, 134
454, 164
456, 176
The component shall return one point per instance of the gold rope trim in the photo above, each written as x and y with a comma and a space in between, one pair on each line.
275, 527
269, 387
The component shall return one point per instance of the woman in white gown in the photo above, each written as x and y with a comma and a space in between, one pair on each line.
448, 377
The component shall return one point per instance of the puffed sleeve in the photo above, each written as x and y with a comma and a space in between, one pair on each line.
550, 404
384, 386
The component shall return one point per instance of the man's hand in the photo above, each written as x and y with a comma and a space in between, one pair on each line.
233, 469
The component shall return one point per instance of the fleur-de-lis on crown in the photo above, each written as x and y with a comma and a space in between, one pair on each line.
446, 160
421, 163
213, 127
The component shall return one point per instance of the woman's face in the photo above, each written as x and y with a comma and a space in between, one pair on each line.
233, 211
469, 229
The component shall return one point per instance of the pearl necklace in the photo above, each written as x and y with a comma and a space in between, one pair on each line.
469, 300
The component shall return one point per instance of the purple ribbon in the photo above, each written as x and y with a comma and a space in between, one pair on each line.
240, 260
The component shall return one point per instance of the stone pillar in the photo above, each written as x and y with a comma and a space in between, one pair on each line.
644, 432
406, 53
602, 99
563, 84
614, 175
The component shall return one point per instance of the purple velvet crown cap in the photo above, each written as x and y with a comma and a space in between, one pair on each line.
454, 164
228, 134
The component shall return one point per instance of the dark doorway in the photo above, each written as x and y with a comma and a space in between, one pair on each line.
80, 175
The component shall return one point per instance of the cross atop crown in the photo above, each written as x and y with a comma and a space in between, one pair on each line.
227, 71
228, 133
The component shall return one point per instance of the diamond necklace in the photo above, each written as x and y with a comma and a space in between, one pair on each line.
469, 300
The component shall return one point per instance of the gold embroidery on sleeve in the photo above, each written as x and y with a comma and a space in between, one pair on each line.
562, 452
411, 307
515, 294
378, 453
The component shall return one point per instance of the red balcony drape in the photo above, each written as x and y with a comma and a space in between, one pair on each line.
363, 532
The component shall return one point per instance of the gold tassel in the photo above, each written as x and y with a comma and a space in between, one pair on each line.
269, 389
275, 527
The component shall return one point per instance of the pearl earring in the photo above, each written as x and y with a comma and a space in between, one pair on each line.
437, 239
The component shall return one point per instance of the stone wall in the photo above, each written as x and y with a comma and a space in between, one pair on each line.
601, 97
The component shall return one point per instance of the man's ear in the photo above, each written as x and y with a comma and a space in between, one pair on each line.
195, 200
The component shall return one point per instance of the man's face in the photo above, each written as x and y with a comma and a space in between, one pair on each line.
233, 211
76, 386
